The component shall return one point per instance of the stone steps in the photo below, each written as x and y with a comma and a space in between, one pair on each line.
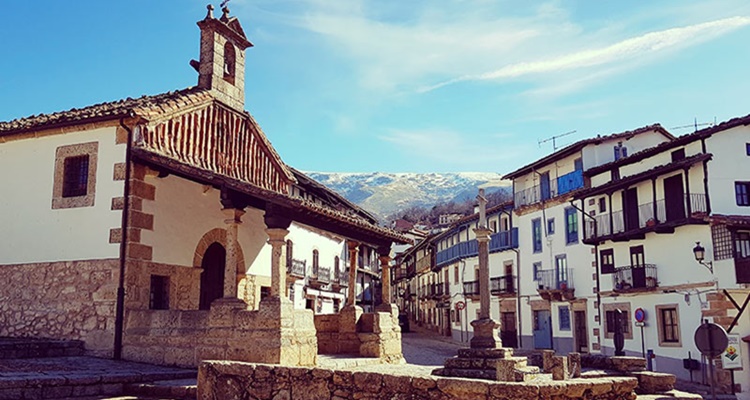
17, 348
178, 389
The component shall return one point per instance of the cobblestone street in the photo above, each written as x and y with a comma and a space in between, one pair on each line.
423, 348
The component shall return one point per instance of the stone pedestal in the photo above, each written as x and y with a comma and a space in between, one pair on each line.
485, 334
349, 317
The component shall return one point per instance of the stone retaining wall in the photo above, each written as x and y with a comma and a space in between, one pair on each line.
274, 334
234, 380
72, 300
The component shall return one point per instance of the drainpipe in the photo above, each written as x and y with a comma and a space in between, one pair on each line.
120, 304
596, 251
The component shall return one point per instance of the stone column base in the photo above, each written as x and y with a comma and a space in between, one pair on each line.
485, 334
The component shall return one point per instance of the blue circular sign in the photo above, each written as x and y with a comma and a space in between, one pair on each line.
640, 315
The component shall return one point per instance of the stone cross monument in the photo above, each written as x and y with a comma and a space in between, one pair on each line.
485, 328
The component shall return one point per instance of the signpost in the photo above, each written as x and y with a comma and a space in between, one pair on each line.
731, 358
711, 339
640, 321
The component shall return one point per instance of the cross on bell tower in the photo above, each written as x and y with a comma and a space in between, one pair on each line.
222, 58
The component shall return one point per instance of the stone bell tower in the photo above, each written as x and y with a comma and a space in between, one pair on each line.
222, 61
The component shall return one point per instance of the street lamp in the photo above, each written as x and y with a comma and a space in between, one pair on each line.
700, 254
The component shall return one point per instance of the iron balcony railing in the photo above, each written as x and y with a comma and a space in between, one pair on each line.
322, 274
503, 284
471, 288
437, 289
555, 279
297, 268
340, 277
645, 216
499, 241
635, 277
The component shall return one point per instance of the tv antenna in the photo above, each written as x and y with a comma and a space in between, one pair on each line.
223, 3
695, 125
554, 139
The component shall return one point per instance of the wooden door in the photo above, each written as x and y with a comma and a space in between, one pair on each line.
508, 332
581, 334
638, 264
674, 198
630, 202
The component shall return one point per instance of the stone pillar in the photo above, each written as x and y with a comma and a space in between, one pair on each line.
276, 238
485, 328
385, 271
351, 298
233, 220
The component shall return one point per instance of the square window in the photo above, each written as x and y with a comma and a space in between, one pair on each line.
742, 193
678, 154
668, 325
607, 261
537, 268
564, 317
609, 319
75, 175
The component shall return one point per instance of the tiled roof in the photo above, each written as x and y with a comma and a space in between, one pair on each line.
145, 106
577, 146
679, 141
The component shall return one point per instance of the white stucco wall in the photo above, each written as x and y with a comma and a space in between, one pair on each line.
603, 153
30, 230
729, 164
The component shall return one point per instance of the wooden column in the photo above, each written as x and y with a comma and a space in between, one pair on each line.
353, 252
277, 240
232, 221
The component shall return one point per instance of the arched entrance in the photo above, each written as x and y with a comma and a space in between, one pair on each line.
212, 278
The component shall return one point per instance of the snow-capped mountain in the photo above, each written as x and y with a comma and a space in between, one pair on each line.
386, 193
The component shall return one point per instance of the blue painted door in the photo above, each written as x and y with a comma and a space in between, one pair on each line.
542, 329
544, 186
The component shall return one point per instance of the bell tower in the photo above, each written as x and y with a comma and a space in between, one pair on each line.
221, 68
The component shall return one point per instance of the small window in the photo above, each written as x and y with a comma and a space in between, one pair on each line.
536, 230
607, 261
76, 176
742, 244
602, 204
611, 321
537, 268
550, 226
564, 317
678, 154
316, 259
668, 325
578, 164
455, 274
747, 148
265, 291
289, 254
742, 193
571, 225
159, 293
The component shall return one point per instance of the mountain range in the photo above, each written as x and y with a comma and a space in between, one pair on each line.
384, 194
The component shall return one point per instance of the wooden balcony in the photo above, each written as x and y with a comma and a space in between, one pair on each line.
471, 289
340, 279
503, 286
624, 225
555, 285
320, 276
629, 279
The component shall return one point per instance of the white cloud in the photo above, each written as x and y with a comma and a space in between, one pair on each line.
638, 47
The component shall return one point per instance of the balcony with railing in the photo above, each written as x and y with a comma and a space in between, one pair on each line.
635, 278
647, 217
320, 275
296, 268
471, 288
556, 187
438, 290
399, 273
504, 240
340, 278
499, 241
503, 285
555, 284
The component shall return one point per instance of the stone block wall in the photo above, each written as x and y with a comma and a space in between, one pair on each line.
234, 380
274, 334
184, 285
375, 335
61, 300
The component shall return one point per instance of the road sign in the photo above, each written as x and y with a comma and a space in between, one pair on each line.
711, 339
640, 315
732, 356
460, 305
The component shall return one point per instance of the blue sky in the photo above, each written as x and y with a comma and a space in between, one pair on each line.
401, 86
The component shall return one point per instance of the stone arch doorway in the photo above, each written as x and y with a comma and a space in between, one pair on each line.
217, 236
212, 278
